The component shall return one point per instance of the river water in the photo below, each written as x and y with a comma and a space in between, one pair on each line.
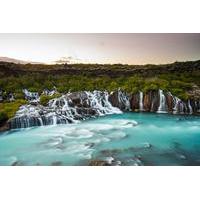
119, 139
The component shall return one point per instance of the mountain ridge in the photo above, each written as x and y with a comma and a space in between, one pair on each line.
16, 61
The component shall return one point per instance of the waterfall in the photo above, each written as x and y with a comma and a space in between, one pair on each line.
180, 107
75, 106
124, 100
69, 108
54, 120
162, 103
141, 102
190, 107
176, 102
32, 97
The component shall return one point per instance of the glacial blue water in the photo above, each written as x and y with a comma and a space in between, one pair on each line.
120, 139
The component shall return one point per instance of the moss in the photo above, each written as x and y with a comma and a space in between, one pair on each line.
10, 108
44, 99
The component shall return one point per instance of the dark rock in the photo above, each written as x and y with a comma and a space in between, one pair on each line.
170, 105
4, 127
135, 102
98, 163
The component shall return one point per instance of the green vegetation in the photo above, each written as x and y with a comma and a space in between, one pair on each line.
176, 83
44, 99
8, 109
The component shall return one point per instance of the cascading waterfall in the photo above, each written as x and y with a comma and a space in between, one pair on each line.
64, 109
141, 102
32, 97
162, 104
76, 106
180, 107
177, 102
123, 99
190, 107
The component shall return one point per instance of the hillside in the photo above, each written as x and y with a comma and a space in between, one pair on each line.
180, 78
116, 70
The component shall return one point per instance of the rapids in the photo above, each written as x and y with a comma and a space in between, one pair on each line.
117, 139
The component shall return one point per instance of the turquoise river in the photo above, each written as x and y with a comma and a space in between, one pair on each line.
120, 139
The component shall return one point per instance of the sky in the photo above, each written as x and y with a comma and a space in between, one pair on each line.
125, 48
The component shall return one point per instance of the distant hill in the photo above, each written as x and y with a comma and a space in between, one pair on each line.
16, 61
111, 70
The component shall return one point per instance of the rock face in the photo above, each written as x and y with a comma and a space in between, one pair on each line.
76, 106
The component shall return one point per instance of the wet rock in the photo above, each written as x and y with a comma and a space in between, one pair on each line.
147, 145
4, 127
147, 102
17, 163
98, 163
131, 123
111, 152
135, 102
170, 105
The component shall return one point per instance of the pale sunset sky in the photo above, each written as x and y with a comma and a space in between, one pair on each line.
126, 48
